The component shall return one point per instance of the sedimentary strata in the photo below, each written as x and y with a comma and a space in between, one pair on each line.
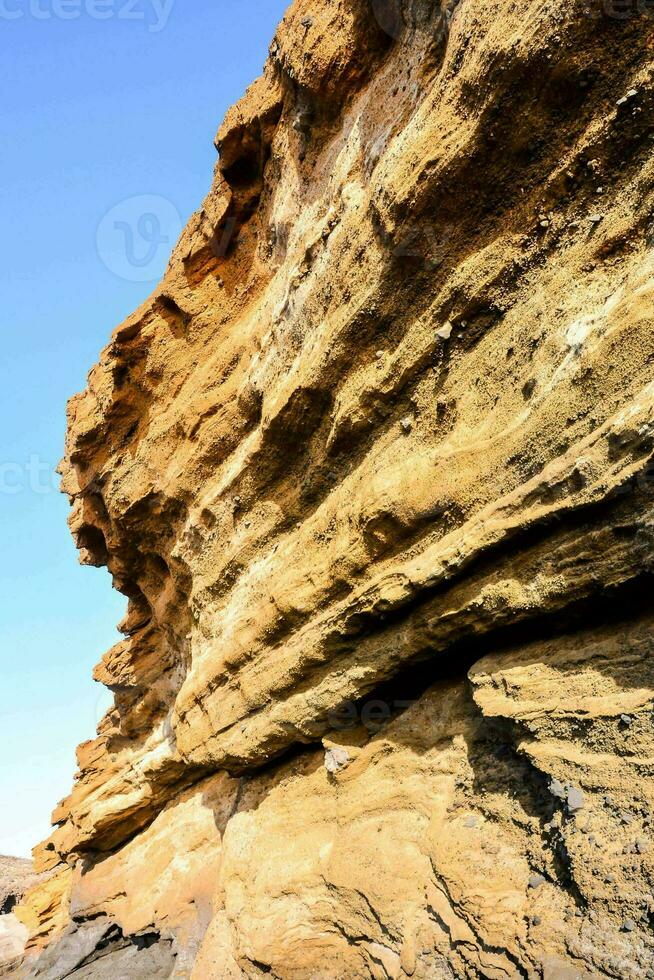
374, 469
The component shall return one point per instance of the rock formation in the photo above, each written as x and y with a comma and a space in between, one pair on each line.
374, 469
17, 877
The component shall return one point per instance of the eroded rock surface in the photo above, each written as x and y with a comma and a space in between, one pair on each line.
373, 467
17, 877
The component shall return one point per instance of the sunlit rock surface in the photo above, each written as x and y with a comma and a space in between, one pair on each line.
373, 467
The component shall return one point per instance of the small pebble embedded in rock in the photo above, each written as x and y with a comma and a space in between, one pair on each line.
336, 759
574, 799
557, 789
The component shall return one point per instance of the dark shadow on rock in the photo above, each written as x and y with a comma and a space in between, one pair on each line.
98, 950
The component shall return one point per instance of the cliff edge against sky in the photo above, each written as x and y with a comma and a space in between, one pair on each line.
374, 468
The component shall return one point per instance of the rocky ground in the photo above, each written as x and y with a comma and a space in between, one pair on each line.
374, 468
17, 875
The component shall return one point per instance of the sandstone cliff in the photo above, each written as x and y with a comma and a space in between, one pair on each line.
17, 877
374, 469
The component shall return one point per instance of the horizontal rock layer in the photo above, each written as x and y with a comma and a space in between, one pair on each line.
373, 467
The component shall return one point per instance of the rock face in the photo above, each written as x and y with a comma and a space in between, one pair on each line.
16, 877
374, 468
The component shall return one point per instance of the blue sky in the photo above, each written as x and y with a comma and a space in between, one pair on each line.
109, 112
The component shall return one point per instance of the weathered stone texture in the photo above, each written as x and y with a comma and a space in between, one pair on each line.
374, 468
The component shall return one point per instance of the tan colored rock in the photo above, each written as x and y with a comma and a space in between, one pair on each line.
168, 874
373, 468
17, 879
45, 909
